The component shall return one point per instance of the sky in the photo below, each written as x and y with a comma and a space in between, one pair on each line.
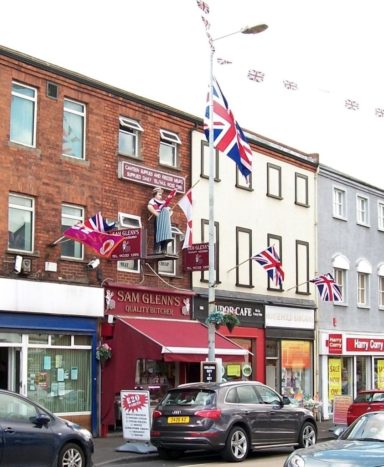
329, 50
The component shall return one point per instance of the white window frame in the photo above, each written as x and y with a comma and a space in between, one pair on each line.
82, 114
171, 140
169, 267
364, 270
75, 220
27, 209
380, 215
380, 286
34, 116
129, 221
339, 203
362, 210
134, 129
341, 267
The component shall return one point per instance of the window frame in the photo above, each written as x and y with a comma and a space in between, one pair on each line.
171, 140
337, 274
31, 210
341, 204
277, 242
362, 289
83, 115
34, 112
74, 218
299, 282
380, 215
170, 265
205, 234
204, 161
134, 130
362, 210
240, 232
278, 170
298, 177
380, 286
242, 182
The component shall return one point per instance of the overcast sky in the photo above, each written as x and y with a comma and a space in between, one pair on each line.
331, 50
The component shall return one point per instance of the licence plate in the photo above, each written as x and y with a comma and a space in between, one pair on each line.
178, 420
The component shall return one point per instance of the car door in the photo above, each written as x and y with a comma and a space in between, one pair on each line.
283, 420
24, 442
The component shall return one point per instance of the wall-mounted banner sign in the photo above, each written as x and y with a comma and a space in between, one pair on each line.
196, 257
130, 247
152, 177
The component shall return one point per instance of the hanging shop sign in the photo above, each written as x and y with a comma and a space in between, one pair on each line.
196, 257
130, 247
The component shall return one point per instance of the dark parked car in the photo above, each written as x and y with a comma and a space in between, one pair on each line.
361, 444
31, 436
365, 402
232, 418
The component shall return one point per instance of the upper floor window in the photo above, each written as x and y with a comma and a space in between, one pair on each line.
21, 210
74, 129
23, 115
273, 180
129, 137
277, 242
380, 274
243, 252
169, 267
216, 239
169, 147
243, 182
364, 269
340, 267
204, 164
380, 215
339, 203
71, 215
362, 212
129, 221
302, 267
301, 190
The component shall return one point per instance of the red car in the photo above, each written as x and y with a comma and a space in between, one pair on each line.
366, 401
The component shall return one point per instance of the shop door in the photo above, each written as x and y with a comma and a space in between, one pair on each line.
10, 368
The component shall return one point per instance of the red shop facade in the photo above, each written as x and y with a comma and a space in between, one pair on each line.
155, 344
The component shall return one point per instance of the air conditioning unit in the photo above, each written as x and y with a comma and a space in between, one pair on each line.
26, 265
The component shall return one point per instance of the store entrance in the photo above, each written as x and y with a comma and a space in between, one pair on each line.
10, 369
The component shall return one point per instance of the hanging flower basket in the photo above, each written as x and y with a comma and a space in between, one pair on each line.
103, 352
230, 320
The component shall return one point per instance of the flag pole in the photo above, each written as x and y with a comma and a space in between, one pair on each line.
237, 265
298, 285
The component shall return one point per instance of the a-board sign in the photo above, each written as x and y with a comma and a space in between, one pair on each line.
208, 372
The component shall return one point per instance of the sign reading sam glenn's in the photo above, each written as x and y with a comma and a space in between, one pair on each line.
130, 247
196, 257
146, 176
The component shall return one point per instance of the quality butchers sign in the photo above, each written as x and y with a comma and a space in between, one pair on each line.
358, 344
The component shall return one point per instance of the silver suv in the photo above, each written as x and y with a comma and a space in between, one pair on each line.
232, 418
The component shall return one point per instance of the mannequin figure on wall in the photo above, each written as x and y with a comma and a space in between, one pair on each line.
162, 221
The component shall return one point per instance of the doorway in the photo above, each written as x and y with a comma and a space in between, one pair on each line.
10, 368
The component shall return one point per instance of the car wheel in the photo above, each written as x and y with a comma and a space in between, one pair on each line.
71, 455
307, 436
169, 454
237, 445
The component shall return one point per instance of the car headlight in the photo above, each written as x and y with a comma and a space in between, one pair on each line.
295, 461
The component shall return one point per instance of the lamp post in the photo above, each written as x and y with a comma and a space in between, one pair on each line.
211, 198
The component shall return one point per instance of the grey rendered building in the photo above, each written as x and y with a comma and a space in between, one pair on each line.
351, 247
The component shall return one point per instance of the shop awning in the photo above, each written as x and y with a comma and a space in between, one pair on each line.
178, 340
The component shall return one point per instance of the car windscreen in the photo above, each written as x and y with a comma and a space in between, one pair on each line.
191, 397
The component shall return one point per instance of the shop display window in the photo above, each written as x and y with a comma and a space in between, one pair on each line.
154, 376
379, 373
296, 370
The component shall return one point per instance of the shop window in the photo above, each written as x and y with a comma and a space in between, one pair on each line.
379, 373
340, 381
21, 223
296, 369
155, 376
38, 339
61, 339
23, 115
272, 364
363, 373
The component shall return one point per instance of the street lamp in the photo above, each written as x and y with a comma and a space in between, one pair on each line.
211, 226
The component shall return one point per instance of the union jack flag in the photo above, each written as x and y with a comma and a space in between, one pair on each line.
97, 222
168, 199
329, 291
270, 261
228, 137
203, 6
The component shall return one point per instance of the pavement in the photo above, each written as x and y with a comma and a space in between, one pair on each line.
113, 449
